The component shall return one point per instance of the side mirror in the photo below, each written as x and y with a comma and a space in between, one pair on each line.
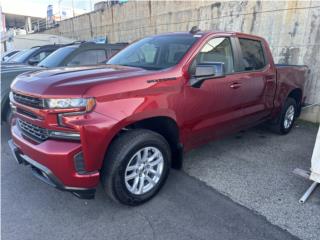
33, 61
207, 71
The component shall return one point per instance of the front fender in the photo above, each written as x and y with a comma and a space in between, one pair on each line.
97, 132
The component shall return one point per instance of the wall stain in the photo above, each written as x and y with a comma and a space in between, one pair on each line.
231, 17
312, 26
242, 23
216, 5
254, 17
294, 32
289, 55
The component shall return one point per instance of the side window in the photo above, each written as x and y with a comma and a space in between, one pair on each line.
88, 57
112, 52
217, 50
41, 55
252, 54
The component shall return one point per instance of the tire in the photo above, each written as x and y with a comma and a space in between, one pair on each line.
123, 156
283, 125
6, 112
8, 117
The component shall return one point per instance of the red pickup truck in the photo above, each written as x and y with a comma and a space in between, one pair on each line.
126, 123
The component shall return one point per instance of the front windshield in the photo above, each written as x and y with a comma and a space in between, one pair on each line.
20, 58
55, 58
155, 53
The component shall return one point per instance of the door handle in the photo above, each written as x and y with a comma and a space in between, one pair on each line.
235, 85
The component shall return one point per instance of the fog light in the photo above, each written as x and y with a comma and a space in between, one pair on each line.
79, 163
64, 135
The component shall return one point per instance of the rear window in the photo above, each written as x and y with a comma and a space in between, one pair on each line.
252, 54
57, 57
113, 52
88, 57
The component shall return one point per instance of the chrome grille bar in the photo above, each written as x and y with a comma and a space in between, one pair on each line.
33, 131
27, 100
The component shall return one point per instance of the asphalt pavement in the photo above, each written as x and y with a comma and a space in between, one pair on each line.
254, 168
186, 208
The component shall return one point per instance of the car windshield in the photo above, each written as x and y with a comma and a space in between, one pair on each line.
155, 53
23, 55
57, 57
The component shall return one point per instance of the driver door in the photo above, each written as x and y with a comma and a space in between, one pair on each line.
214, 108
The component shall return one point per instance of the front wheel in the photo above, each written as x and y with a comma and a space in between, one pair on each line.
136, 166
286, 117
8, 117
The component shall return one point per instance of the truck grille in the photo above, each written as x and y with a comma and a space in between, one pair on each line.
27, 100
36, 133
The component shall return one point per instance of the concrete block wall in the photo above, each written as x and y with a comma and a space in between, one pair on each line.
292, 28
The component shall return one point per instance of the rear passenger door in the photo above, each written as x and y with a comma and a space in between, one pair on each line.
257, 80
88, 57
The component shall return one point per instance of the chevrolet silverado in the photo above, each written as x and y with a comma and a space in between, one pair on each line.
126, 123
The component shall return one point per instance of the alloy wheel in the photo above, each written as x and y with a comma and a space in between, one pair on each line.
289, 117
144, 170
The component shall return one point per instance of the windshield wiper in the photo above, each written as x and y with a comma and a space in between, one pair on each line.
143, 67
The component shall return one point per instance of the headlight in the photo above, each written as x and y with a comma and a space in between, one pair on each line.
86, 103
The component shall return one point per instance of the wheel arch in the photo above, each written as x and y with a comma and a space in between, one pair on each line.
164, 125
296, 94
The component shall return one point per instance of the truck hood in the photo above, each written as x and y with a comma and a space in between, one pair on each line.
71, 81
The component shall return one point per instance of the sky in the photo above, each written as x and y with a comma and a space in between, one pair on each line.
38, 8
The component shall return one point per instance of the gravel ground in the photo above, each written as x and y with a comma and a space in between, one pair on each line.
185, 209
254, 168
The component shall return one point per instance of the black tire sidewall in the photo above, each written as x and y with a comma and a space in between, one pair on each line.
9, 116
119, 189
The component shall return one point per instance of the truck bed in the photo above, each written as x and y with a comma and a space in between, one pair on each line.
291, 77
280, 65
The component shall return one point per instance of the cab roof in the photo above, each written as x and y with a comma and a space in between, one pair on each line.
206, 33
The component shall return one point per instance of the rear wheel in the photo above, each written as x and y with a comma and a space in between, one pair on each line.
286, 117
136, 166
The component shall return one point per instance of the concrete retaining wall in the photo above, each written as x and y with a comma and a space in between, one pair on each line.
291, 27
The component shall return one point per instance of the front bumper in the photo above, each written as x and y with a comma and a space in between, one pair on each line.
52, 162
